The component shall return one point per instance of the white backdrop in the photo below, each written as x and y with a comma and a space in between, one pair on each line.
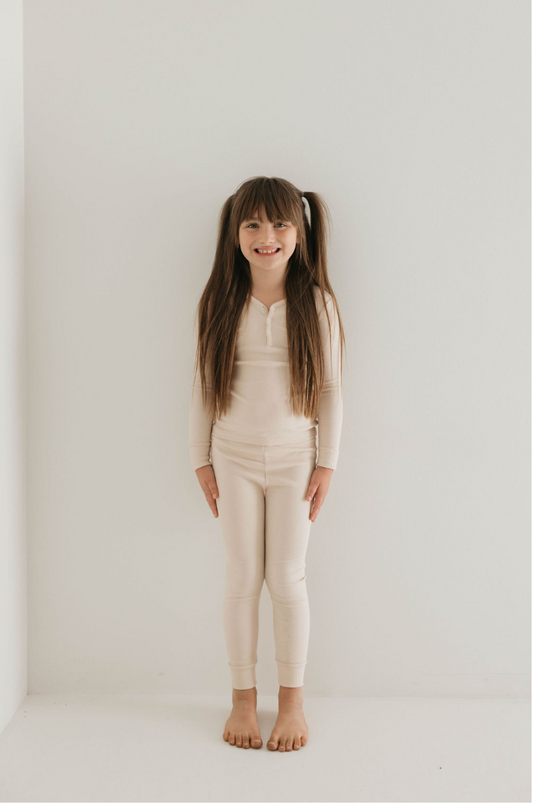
411, 117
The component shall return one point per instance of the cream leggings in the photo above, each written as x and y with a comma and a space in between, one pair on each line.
265, 525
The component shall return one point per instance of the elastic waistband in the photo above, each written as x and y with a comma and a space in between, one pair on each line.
286, 445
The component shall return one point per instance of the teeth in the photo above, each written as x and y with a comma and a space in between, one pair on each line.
271, 251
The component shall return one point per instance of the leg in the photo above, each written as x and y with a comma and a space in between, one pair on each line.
287, 530
239, 471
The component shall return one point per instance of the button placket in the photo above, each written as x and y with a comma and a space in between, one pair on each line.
269, 326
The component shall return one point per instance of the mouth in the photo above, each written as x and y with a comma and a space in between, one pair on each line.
269, 254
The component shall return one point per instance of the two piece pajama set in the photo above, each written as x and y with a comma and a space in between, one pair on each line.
263, 457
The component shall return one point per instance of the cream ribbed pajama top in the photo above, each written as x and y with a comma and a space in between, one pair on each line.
259, 410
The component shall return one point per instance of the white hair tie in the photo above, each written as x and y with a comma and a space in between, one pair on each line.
307, 209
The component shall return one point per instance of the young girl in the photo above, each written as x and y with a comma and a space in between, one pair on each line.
268, 347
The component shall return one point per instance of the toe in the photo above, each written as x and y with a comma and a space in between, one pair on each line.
239, 740
282, 744
256, 742
297, 743
288, 744
231, 738
246, 741
273, 743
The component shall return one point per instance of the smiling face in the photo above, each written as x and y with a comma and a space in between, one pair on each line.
258, 234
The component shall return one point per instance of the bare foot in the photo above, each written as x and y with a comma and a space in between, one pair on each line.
242, 728
290, 730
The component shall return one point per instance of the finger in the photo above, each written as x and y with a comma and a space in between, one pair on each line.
311, 492
316, 508
211, 492
209, 486
212, 504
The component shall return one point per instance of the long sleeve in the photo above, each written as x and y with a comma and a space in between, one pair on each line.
200, 424
330, 410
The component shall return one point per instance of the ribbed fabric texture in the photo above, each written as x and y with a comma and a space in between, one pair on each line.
265, 524
259, 410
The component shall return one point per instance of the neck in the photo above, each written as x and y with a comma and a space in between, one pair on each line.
268, 285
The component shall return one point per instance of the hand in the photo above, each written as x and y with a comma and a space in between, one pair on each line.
206, 478
318, 488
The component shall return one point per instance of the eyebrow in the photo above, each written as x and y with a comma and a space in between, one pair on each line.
246, 220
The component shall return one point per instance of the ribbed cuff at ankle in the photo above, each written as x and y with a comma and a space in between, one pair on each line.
291, 675
243, 677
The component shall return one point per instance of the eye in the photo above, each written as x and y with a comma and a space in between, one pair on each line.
280, 223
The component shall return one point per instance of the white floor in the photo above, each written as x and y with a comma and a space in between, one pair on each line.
170, 748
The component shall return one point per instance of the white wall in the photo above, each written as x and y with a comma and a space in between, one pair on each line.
13, 570
411, 117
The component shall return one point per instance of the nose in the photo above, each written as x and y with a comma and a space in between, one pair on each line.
268, 238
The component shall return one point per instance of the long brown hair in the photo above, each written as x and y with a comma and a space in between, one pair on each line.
228, 291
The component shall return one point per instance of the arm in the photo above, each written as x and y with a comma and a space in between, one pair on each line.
200, 424
330, 410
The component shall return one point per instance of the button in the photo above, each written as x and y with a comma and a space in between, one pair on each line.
264, 308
